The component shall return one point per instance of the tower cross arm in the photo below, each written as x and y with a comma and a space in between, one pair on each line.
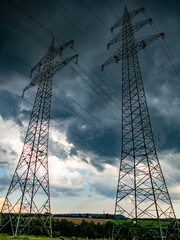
122, 19
50, 71
51, 53
113, 59
60, 64
136, 48
136, 27
148, 40
58, 50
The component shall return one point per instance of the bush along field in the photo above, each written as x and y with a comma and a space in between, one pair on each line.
65, 229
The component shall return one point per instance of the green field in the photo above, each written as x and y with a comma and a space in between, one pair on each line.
33, 237
23, 236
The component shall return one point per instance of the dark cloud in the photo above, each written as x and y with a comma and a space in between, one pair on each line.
73, 152
57, 149
101, 93
63, 191
104, 189
4, 182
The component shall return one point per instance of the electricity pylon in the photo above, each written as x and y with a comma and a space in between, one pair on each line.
141, 192
28, 196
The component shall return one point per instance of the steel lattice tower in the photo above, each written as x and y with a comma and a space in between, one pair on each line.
141, 192
28, 195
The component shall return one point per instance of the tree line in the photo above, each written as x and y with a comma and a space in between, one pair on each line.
64, 228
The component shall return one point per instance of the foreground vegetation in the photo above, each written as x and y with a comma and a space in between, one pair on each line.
65, 229
4, 236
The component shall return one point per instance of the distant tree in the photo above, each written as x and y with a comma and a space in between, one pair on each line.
37, 230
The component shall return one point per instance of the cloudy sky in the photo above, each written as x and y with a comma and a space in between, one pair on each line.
85, 132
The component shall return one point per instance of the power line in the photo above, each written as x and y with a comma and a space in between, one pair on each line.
89, 123
70, 97
118, 106
60, 4
64, 92
7, 66
14, 23
111, 8
93, 88
146, 53
35, 20
52, 33
90, 9
73, 100
57, 10
162, 153
84, 140
109, 86
25, 64
156, 30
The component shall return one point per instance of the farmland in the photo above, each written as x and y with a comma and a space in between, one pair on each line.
74, 228
78, 220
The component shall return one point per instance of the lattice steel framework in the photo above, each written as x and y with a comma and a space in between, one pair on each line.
28, 196
141, 191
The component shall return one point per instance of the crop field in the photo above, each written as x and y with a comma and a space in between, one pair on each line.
78, 220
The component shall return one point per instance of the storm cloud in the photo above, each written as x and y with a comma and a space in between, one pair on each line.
86, 102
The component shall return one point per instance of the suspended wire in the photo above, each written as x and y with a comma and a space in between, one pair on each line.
10, 93
36, 21
84, 71
66, 107
90, 33
85, 120
161, 74
62, 14
7, 66
106, 2
108, 86
89, 113
117, 105
20, 9
167, 84
22, 29
64, 93
50, 32
20, 61
162, 153
110, 139
156, 30
174, 163
84, 140
79, 23
95, 89
90, 9
75, 134
159, 139
63, 125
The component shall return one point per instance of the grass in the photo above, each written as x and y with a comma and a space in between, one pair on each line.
4, 236
142, 223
